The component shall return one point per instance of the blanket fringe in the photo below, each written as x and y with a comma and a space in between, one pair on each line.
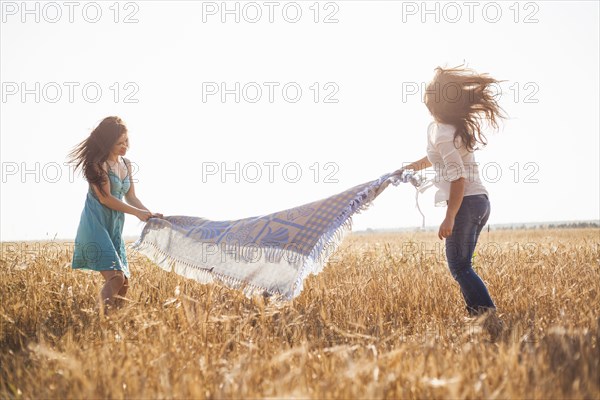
202, 273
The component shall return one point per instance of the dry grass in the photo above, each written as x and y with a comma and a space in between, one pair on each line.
384, 319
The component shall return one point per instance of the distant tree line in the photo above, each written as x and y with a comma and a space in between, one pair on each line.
564, 225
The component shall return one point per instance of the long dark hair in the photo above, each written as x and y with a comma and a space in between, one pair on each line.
460, 97
92, 152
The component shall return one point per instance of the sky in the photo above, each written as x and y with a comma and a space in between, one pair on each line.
239, 109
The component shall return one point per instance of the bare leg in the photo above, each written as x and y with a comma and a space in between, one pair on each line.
122, 293
113, 283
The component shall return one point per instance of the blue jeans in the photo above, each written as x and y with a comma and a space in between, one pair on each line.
460, 245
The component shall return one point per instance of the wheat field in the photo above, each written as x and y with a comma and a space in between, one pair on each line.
384, 319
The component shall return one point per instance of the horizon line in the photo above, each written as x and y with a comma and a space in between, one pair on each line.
533, 224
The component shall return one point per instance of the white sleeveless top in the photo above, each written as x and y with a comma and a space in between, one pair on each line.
451, 163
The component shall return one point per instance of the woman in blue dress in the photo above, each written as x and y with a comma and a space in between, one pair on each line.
99, 244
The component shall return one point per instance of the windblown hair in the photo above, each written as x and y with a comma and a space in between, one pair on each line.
92, 152
461, 97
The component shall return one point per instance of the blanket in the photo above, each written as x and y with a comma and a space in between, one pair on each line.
270, 254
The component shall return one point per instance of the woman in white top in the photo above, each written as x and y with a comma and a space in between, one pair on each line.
458, 98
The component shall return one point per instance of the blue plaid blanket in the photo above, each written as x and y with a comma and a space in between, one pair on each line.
270, 254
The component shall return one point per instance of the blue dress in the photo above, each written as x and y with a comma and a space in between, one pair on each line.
99, 242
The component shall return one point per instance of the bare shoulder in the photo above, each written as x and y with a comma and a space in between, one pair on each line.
102, 166
127, 162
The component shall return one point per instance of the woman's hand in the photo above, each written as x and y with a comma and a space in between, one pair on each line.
398, 172
144, 215
446, 228
157, 215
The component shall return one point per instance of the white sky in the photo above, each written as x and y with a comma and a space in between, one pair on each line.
376, 49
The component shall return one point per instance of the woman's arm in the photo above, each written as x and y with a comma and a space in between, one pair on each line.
419, 165
112, 202
455, 173
415, 166
130, 196
457, 190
